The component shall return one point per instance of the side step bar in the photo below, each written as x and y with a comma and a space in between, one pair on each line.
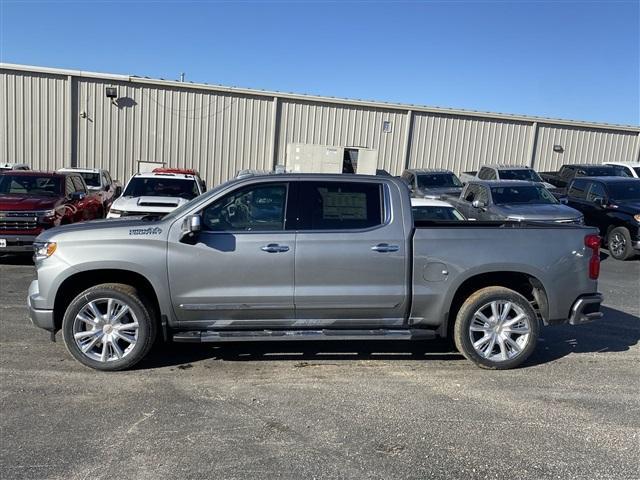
196, 336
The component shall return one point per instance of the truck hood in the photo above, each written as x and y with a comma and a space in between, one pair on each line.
539, 212
438, 192
105, 230
632, 207
148, 204
27, 202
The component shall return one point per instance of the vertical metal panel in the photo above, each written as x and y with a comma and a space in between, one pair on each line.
343, 125
34, 123
215, 133
582, 145
464, 143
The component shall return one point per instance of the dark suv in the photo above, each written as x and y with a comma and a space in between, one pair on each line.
613, 205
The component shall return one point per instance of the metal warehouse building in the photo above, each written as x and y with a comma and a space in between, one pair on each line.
52, 118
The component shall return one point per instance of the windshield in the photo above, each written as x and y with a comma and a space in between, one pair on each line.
433, 212
91, 179
520, 174
31, 185
438, 180
529, 194
161, 187
605, 171
637, 170
625, 190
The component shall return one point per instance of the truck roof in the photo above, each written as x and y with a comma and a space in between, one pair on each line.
182, 176
625, 164
500, 183
428, 170
500, 166
609, 179
32, 173
80, 170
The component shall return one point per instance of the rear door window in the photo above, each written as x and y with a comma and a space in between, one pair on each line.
578, 189
339, 205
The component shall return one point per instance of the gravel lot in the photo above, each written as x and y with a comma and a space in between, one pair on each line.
325, 410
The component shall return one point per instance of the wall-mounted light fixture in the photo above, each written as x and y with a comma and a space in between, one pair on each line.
386, 126
112, 93
558, 149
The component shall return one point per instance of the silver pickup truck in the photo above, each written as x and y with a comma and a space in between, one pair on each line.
309, 257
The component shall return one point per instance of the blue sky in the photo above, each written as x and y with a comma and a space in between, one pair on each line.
576, 60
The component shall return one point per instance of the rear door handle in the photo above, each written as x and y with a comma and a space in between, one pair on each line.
385, 248
275, 248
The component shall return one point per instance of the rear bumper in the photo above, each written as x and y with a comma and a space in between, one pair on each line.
17, 243
586, 309
40, 318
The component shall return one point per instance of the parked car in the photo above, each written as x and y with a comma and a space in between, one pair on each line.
562, 178
429, 209
431, 182
612, 204
99, 181
515, 200
343, 261
626, 169
14, 166
506, 172
157, 193
32, 201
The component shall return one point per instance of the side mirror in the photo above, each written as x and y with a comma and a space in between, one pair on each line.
118, 191
478, 204
106, 188
75, 196
192, 225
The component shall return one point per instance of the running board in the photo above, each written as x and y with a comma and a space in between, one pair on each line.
196, 336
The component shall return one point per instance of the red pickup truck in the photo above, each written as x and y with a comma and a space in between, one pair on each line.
34, 201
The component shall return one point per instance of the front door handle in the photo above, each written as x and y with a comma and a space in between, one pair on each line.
275, 248
385, 248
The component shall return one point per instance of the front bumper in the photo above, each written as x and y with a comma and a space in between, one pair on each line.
17, 243
40, 318
586, 309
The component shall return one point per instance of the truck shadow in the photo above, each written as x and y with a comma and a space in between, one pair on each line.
616, 332
179, 354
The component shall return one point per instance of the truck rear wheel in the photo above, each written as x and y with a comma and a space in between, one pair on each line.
109, 327
496, 328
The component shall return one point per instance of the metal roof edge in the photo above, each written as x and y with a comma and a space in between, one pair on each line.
324, 99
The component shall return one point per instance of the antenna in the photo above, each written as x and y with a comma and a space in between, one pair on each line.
182, 77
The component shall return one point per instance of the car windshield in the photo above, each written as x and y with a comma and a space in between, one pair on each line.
435, 212
637, 170
91, 179
520, 174
161, 187
605, 171
30, 185
629, 190
530, 194
438, 180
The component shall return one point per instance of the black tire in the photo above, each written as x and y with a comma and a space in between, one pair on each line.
481, 300
619, 244
141, 311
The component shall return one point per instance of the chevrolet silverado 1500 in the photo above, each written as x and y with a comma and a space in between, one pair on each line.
307, 257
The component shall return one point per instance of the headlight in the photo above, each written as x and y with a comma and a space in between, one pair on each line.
115, 213
46, 213
44, 250
515, 219
636, 217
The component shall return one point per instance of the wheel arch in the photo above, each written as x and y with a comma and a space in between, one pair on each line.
526, 284
78, 282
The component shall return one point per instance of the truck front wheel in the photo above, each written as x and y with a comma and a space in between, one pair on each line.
496, 328
109, 327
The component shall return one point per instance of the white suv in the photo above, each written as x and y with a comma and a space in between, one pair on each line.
157, 193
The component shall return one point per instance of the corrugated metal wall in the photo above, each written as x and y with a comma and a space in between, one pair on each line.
464, 143
51, 118
343, 125
217, 134
582, 145
34, 119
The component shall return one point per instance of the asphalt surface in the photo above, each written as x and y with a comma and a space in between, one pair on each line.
325, 410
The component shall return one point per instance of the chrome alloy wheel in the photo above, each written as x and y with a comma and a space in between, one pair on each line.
617, 244
105, 329
499, 330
